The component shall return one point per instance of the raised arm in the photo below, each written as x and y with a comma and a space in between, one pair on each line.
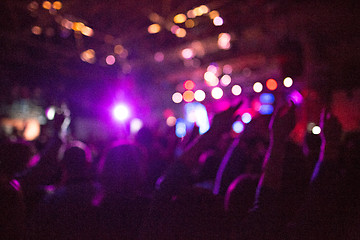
221, 124
281, 124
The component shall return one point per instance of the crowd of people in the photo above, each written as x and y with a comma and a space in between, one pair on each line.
209, 186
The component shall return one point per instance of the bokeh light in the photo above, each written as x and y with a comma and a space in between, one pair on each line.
88, 56
227, 69
32, 129
180, 129
310, 126
121, 112
217, 93
33, 6
238, 127
316, 130
67, 24
246, 117
118, 49
218, 21
159, 57
180, 33
212, 68
189, 85
87, 31
110, 60
266, 109
213, 14
288, 82
271, 84
199, 95
258, 87
204, 9
135, 125
236, 90
187, 53
77, 26
171, 121
177, 97
50, 113
57, 5
211, 79
267, 98
189, 23
46, 5
180, 18
36, 30
154, 28
224, 41
188, 96
191, 14
225, 80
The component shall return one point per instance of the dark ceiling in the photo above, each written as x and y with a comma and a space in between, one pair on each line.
315, 41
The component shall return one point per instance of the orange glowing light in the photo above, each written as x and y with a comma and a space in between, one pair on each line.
118, 49
180, 33
57, 5
189, 85
189, 23
180, 18
36, 30
46, 5
214, 14
77, 26
154, 28
188, 96
271, 84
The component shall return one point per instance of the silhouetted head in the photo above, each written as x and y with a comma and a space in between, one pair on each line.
76, 160
121, 170
13, 157
144, 136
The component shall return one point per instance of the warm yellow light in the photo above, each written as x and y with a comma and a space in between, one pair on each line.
180, 33
214, 14
87, 31
88, 56
197, 11
204, 9
77, 26
180, 18
46, 5
36, 30
57, 5
154, 28
189, 23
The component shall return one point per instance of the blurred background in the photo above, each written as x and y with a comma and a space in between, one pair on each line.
119, 65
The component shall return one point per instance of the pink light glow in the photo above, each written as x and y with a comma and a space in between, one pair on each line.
110, 60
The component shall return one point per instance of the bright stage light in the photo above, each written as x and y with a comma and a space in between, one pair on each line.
121, 112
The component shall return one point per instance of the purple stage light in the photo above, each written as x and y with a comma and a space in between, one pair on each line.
121, 112
296, 97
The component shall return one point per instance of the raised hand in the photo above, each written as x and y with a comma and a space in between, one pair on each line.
223, 121
330, 127
282, 123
